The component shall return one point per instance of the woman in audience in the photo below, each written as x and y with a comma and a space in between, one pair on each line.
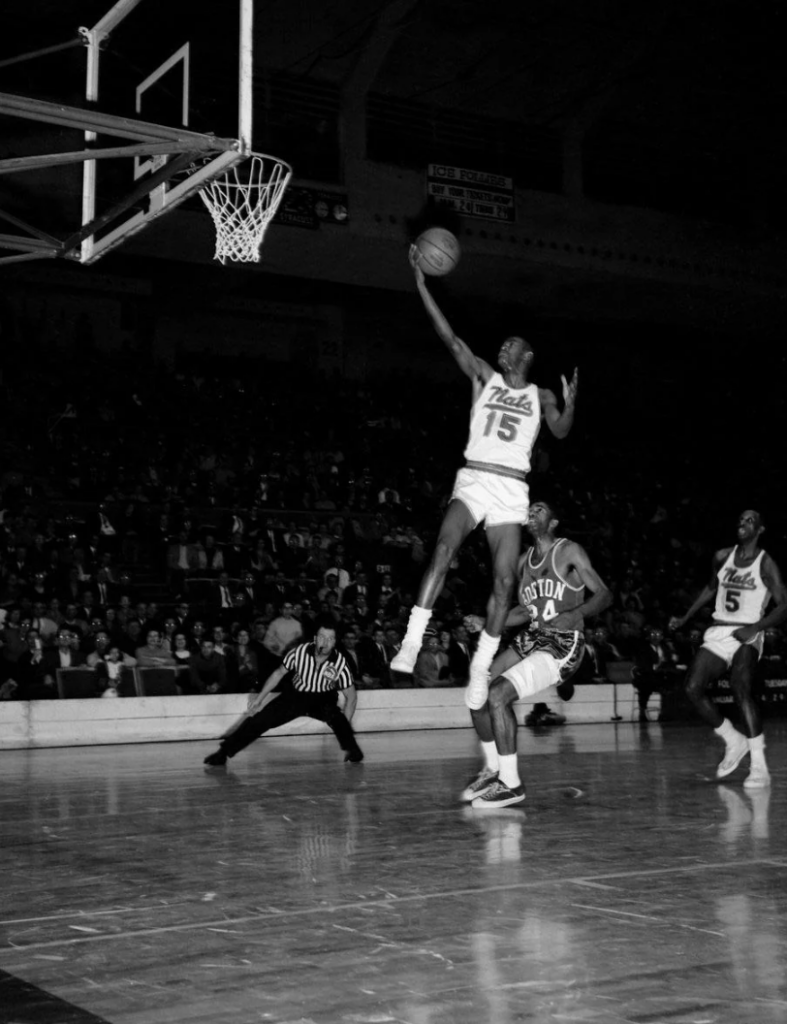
242, 666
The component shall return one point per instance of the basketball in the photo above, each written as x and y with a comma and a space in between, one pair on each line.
439, 251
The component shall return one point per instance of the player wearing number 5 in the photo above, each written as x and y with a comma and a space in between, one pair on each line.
744, 580
505, 419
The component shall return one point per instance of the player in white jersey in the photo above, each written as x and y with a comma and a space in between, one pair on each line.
744, 581
505, 419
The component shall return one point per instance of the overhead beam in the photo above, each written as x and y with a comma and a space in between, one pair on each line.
32, 163
357, 84
109, 124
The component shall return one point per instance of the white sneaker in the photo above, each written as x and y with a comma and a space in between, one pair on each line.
480, 785
477, 690
405, 659
737, 749
758, 777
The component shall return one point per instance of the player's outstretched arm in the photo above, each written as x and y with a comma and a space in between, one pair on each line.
469, 364
560, 423
708, 592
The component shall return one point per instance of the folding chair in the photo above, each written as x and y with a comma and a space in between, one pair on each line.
156, 682
73, 683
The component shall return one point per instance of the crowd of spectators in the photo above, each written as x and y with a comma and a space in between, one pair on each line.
157, 517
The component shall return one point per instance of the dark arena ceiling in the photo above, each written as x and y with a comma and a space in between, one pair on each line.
678, 104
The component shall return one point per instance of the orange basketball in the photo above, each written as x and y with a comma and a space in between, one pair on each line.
439, 251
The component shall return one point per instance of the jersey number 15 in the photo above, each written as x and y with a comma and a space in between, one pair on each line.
506, 427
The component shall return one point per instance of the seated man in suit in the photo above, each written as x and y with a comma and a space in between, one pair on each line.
64, 654
655, 668
376, 660
431, 665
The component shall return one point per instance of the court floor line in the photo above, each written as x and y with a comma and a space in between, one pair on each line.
225, 922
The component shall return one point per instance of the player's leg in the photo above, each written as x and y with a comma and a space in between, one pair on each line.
327, 710
706, 668
282, 709
482, 723
526, 677
505, 542
508, 788
456, 526
744, 667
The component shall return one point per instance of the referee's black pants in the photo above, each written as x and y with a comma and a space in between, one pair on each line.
291, 704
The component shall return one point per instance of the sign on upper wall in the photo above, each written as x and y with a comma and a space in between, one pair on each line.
304, 207
472, 193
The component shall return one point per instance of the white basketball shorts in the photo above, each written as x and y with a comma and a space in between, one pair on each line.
491, 498
720, 641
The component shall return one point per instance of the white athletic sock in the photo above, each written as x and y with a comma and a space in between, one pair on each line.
757, 751
484, 653
509, 771
491, 760
727, 731
416, 624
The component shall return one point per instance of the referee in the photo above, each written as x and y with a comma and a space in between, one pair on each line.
318, 672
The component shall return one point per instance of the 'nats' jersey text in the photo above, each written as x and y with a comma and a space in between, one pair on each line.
742, 594
504, 425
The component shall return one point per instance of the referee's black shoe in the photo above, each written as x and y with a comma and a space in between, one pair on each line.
356, 756
216, 760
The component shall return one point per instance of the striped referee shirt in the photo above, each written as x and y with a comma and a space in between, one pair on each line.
308, 677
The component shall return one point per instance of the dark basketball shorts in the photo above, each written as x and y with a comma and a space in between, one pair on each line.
547, 657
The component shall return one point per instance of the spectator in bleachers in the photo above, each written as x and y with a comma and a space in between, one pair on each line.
46, 627
208, 670
31, 673
431, 665
180, 649
153, 653
242, 664
107, 652
236, 556
198, 631
210, 558
655, 668
63, 654
222, 599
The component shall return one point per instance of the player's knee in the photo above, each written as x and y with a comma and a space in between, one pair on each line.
504, 580
694, 686
499, 696
443, 554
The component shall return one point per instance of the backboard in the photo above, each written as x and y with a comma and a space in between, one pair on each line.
185, 70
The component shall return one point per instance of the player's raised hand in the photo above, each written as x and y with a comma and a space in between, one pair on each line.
415, 262
570, 388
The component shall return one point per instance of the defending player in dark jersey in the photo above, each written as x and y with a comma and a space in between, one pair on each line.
554, 575
743, 581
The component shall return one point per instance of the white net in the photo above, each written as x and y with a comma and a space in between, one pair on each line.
242, 203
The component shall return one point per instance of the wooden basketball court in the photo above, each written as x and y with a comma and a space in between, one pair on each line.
140, 888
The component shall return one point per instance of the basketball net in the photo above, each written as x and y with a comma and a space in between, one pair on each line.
242, 203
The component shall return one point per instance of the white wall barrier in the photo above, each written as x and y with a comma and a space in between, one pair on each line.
92, 721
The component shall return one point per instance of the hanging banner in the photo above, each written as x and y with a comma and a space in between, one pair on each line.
472, 193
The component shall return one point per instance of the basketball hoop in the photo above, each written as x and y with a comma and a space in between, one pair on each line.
242, 203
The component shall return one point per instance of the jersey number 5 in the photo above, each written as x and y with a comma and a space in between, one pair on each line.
732, 600
506, 427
